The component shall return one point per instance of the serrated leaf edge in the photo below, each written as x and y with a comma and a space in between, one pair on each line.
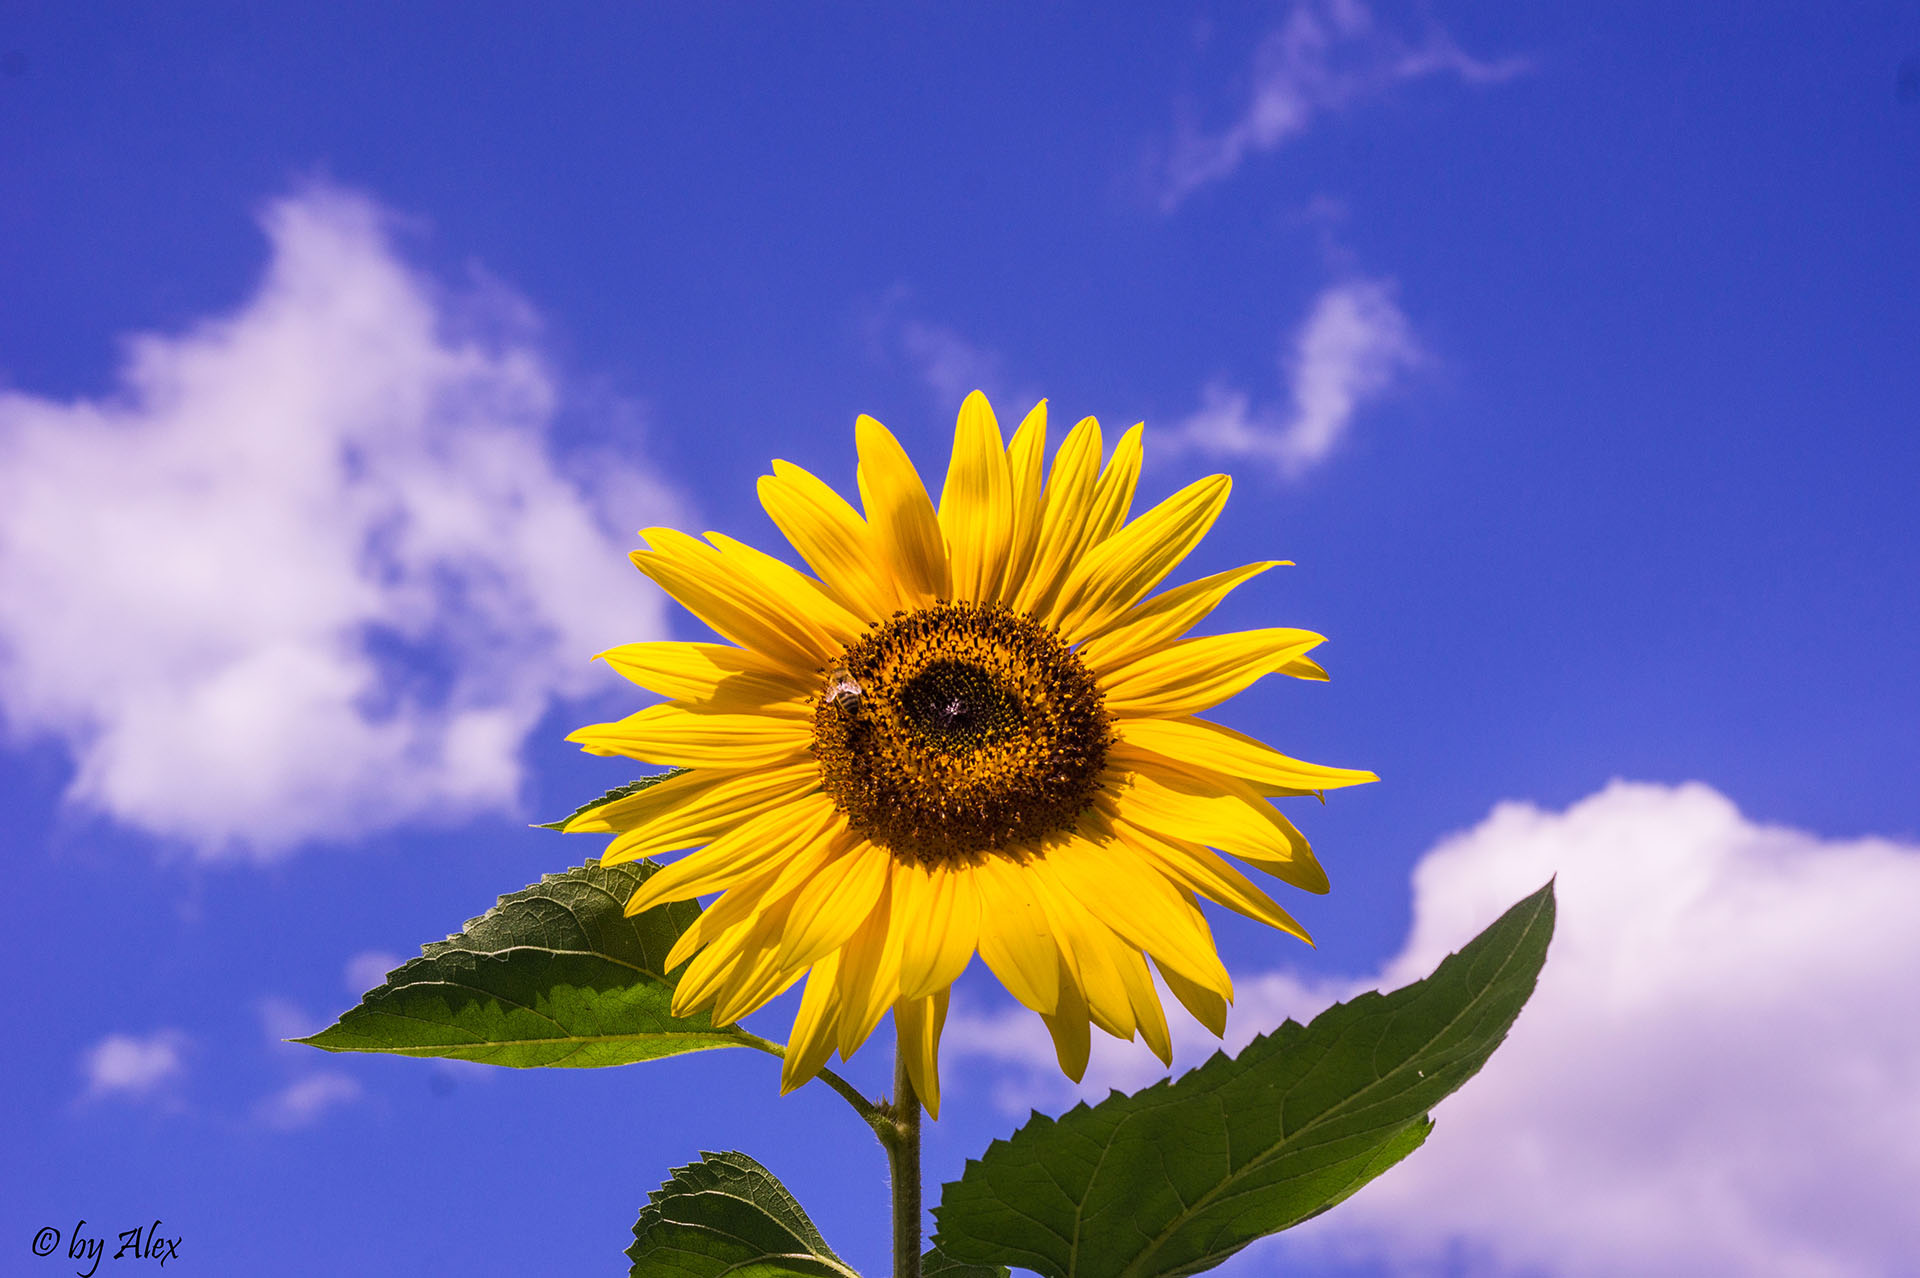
394, 981
1544, 904
653, 1214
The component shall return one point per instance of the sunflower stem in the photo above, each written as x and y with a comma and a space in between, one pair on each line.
903, 1159
878, 1117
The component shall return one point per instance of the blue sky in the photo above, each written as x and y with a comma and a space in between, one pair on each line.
1569, 351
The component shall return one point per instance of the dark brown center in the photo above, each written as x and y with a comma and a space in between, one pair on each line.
959, 730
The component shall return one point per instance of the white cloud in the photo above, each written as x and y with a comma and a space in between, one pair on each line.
1719, 1072
1352, 349
130, 1065
368, 969
313, 570
306, 1100
1327, 56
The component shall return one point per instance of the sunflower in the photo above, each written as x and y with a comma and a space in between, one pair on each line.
972, 730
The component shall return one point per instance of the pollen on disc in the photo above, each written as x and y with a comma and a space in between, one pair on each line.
958, 731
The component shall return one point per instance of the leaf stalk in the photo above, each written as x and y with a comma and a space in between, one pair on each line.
877, 1116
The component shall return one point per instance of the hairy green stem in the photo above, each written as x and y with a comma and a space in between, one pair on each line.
897, 1124
903, 1159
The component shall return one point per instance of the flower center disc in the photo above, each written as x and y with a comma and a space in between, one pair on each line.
958, 730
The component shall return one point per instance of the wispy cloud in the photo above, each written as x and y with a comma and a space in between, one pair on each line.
947, 362
306, 1100
314, 569
951, 366
282, 1019
1353, 347
368, 968
135, 1066
1714, 1076
309, 1095
1328, 55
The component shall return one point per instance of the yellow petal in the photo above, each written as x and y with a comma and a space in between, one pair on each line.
1086, 945
737, 972
869, 976
1203, 1004
1070, 1026
1302, 668
738, 611
706, 925
769, 841
1113, 495
832, 537
1104, 957
917, 1023
643, 805
835, 900
1138, 903
1117, 573
713, 675
742, 975
1198, 674
937, 912
814, 1026
775, 880
1105, 511
976, 505
1015, 940
805, 596
1199, 869
1063, 516
710, 808
1025, 456
670, 735
707, 975
1163, 618
1220, 749
689, 942
1145, 1001
757, 982
1231, 816
900, 515
726, 988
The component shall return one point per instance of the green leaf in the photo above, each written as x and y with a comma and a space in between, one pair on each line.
937, 1264
1176, 1178
618, 792
555, 974
726, 1214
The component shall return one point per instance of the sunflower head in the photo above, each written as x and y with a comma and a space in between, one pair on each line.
971, 729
